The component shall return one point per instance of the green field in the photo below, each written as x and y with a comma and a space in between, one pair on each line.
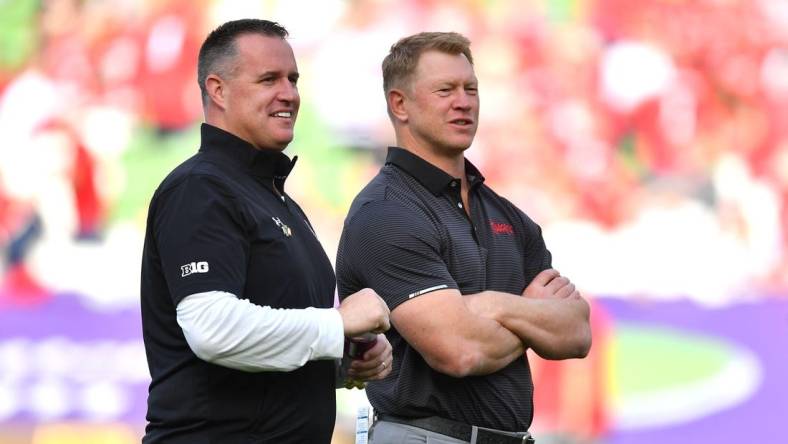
647, 359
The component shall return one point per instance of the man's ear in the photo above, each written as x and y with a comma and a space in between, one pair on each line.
214, 86
396, 100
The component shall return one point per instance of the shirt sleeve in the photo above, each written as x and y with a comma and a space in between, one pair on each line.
200, 237
393, 250
538, 257
232, 332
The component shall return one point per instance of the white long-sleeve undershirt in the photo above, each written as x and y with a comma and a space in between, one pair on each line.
222, 329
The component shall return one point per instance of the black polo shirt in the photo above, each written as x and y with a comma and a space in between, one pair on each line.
217, 222
407, 234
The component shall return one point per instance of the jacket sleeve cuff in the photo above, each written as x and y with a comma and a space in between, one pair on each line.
331, 338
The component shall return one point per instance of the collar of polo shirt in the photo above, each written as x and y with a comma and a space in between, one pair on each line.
433, 178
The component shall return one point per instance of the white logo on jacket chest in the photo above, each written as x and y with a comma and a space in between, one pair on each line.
285, 229
194, 267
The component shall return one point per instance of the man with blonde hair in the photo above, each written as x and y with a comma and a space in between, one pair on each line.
465, 273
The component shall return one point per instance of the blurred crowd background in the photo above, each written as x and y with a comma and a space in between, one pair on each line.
649, 139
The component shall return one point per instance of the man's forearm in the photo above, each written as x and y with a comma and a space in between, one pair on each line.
555, 328
452, 339
234, 333
497, 349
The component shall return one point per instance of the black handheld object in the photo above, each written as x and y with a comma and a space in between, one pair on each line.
358, 345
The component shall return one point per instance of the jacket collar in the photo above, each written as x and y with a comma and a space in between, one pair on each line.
265, 164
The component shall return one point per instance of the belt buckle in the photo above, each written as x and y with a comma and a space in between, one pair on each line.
500, 435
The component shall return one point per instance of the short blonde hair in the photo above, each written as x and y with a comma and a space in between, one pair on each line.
400, 63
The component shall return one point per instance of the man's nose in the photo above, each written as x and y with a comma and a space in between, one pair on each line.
288, 92
462, 100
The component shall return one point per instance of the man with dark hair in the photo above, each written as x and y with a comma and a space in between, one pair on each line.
219, 47
237, 293
465, 273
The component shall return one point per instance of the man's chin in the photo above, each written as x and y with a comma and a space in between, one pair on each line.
460, 143
458, 146
280, 144
285, 140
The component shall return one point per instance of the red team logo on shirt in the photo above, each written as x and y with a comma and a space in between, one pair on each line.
501, 228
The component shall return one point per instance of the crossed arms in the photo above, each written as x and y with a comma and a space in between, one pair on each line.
457, 334
481, 333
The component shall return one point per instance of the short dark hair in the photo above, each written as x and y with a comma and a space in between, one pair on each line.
220, 46
404, 55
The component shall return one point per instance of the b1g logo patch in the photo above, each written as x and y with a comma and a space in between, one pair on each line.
194, 267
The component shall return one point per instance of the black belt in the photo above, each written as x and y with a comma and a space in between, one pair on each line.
460, 430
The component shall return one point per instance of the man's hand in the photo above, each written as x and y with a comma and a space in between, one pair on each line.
374, 364
550, 284
363, 312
